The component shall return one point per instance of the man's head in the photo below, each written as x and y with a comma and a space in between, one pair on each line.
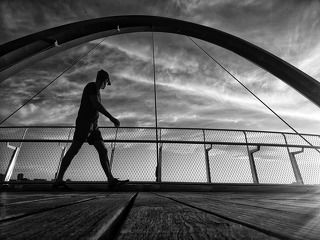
102, 79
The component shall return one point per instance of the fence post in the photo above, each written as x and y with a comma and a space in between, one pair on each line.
294, 163
113, 148
62, 155
14, 157
206, 152
251, 160
159, 158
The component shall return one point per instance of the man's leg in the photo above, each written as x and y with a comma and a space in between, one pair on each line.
104, 160
72, 151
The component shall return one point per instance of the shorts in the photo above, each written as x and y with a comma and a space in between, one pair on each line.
87, 132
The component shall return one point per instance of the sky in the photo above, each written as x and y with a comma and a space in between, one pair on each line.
192, 91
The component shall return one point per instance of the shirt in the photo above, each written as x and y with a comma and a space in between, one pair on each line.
87, 112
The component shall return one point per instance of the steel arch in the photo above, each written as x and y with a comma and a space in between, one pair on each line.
18, 54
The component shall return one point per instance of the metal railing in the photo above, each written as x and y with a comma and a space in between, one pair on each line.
185, 155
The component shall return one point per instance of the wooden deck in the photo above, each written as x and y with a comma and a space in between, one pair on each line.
159, 215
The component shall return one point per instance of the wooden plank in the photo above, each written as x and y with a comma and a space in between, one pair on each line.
154, 217
307, 197
289, 224
298, 203
84, 220
7, 199
28, 207
295, 203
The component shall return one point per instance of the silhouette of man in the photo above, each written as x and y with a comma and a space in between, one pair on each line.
87, 129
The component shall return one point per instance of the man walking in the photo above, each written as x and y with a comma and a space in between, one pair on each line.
87, 129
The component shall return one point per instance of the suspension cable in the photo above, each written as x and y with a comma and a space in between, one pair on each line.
252, 93
45, 87
155, 101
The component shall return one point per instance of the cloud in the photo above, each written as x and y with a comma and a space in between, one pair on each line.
33, 114
192, 90
19, 18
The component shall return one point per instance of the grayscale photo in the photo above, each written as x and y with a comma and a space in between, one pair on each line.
160, 119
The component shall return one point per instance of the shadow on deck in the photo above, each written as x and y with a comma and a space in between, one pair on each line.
160, 211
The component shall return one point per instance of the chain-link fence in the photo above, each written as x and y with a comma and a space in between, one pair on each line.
184, 155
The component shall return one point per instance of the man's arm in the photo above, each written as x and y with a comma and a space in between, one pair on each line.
100, 108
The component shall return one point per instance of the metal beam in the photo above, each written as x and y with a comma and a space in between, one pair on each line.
295, 166
14, 157
253, 164
207, 150
18, 54
293, 160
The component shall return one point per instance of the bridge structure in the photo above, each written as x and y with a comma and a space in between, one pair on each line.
185, 182
186, 155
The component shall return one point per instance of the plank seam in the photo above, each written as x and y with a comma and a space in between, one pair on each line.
30, 201
270, 233
44, 210
253, 206
111, 228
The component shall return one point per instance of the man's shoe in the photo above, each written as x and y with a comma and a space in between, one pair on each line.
116, 182
60, 186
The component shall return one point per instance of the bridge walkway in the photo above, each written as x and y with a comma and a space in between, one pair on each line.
272, 212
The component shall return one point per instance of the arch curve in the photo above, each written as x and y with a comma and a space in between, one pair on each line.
19, 53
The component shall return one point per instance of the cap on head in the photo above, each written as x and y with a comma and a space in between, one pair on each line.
103, 75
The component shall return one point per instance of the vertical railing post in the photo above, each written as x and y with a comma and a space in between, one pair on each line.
160, 159
113, 148
251, 160
294, 163
158, 168
14, 157
206, 152
63, 148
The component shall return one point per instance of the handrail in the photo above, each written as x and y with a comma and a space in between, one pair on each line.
169, 141
172, 136
171, 128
